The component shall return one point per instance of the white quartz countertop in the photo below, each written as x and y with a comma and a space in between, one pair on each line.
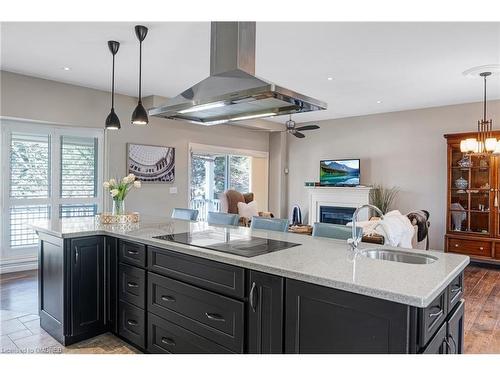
320, 261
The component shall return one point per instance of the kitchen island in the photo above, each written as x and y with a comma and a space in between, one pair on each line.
314, 297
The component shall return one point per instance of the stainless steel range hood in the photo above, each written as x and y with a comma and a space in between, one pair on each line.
232, 92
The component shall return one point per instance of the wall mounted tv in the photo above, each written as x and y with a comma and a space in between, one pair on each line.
339, 172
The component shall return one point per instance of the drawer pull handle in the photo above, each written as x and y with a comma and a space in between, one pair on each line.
454, 351
439, 313
168, 298
168, 341
132, 284
456, 245
132, 252
77, 253
455, 290
449, 351
481, 248
216, 317
253, 303
132, 322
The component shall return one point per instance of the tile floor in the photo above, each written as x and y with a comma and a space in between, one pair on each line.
20, 332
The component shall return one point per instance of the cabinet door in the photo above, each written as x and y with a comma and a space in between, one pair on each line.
265, 313
438, 343
111, 256
496, 195
324, 320
87, 285
455, 331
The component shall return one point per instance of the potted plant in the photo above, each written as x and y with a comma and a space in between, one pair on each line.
119, 191
383, 197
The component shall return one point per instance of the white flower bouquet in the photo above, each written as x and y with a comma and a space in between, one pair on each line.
119, 190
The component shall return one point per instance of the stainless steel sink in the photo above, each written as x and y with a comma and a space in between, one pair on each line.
398, 256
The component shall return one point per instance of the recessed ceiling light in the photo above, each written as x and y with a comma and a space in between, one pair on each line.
66, 68
330, 78
379, 101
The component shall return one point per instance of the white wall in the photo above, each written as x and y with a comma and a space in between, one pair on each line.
277, 177
43, 100
404, 149
260, 169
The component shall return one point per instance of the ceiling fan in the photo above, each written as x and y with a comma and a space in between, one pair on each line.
292, 129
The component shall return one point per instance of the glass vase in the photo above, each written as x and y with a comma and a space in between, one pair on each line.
118, 207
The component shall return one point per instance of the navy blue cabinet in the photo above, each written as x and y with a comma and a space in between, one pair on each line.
324, 320
87, 286
265, 313
162, 301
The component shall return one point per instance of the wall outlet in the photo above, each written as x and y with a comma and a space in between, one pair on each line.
173, 190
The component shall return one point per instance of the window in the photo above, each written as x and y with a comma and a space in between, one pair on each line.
20, 234
53, 173
239, 173
211, 175
78, 167
215, 170
29, 166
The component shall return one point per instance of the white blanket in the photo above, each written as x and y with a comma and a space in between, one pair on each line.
395, 227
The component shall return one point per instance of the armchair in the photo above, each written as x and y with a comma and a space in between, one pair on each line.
229, 204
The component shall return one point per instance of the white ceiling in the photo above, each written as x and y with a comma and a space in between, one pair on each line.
405, 65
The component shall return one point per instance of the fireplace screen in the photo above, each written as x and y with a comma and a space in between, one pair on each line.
335, 215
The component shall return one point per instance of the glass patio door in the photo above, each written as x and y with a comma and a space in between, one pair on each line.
212, 174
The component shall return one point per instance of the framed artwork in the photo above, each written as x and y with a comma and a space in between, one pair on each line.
151, 163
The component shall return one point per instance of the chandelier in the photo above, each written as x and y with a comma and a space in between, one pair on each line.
485, 143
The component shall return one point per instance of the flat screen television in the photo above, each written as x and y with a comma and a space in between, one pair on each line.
339, 172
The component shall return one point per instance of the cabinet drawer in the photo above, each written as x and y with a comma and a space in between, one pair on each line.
431, 318
210, 315
131, 324
132, 285
132, 253
207, 274
455, 291
166, 337
469, 247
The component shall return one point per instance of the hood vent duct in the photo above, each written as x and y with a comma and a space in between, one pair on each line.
232, 92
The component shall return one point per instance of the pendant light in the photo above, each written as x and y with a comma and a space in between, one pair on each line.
112, 121
140, 116
485, 143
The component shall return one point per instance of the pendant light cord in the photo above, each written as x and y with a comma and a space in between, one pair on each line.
140, 71
113, 85
484, 104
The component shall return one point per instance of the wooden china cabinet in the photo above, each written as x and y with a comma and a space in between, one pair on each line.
473, 213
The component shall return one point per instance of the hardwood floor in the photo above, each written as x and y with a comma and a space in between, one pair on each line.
482, 309
20, 329
19, 291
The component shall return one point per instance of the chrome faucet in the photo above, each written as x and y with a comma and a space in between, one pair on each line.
356, 238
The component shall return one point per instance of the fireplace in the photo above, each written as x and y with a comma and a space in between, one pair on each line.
335, 215
335, 204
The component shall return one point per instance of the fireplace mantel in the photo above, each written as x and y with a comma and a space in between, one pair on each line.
337, 197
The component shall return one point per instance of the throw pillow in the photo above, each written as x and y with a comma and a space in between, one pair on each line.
248, 210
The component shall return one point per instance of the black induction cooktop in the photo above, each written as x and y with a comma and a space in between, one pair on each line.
229, 242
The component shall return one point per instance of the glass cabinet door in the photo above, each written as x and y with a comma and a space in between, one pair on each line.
470, 197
